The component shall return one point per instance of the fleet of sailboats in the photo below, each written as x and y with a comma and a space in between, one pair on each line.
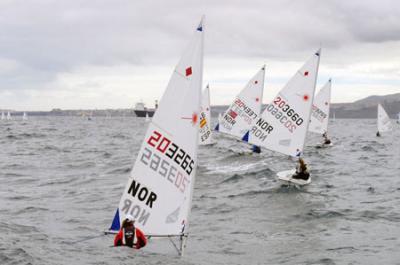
160, 187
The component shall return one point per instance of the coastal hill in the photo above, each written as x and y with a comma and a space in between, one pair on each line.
361, 109
367, 107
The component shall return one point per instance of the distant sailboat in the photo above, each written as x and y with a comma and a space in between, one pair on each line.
398, 117
3, 117
147, 119
205, 134
9, 116
283, 125
24, 117
383, 121
245, 109
160, 188
320, 111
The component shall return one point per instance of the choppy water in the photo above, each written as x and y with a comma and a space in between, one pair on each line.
61, 179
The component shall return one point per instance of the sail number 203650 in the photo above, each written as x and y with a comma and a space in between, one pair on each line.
171, 150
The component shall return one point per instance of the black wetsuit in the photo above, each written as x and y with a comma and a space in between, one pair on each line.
302, 175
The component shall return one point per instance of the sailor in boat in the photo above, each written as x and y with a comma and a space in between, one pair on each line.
129, 235
378, 134
298, 153
326, 139
256, 149
301, 171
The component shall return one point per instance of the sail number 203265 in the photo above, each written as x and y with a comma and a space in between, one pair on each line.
171, 150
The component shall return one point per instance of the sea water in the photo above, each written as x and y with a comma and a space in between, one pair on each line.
61, 179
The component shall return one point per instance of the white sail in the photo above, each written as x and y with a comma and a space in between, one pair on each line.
24, 116
3, 116
147, 119
8, 116
320, 110
159, 191
384, 123
245, 109
205, 135
283, 125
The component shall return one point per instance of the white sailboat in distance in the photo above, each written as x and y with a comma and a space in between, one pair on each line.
245, 108
320, 112
205, 134
24, 117
3, 116
9, 116
283, 125
160, 188
383, 121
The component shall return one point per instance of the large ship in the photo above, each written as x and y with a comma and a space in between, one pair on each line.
141, 110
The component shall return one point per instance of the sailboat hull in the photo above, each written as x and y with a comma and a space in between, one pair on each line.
286, 178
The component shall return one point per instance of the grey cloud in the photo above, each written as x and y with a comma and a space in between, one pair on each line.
47, 37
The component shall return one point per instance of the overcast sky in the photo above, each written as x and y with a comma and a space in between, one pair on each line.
110, 54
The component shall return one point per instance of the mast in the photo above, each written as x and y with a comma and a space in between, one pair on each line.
183, 237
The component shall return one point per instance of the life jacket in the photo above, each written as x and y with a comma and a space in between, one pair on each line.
138, 238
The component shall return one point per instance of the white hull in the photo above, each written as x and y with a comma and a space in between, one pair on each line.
286, 177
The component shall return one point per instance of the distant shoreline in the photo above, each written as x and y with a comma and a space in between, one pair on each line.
360, 109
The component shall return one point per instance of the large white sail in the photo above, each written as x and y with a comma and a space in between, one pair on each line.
245, 109
283, 125
159, 190
320, 110
384, 123
205, 135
